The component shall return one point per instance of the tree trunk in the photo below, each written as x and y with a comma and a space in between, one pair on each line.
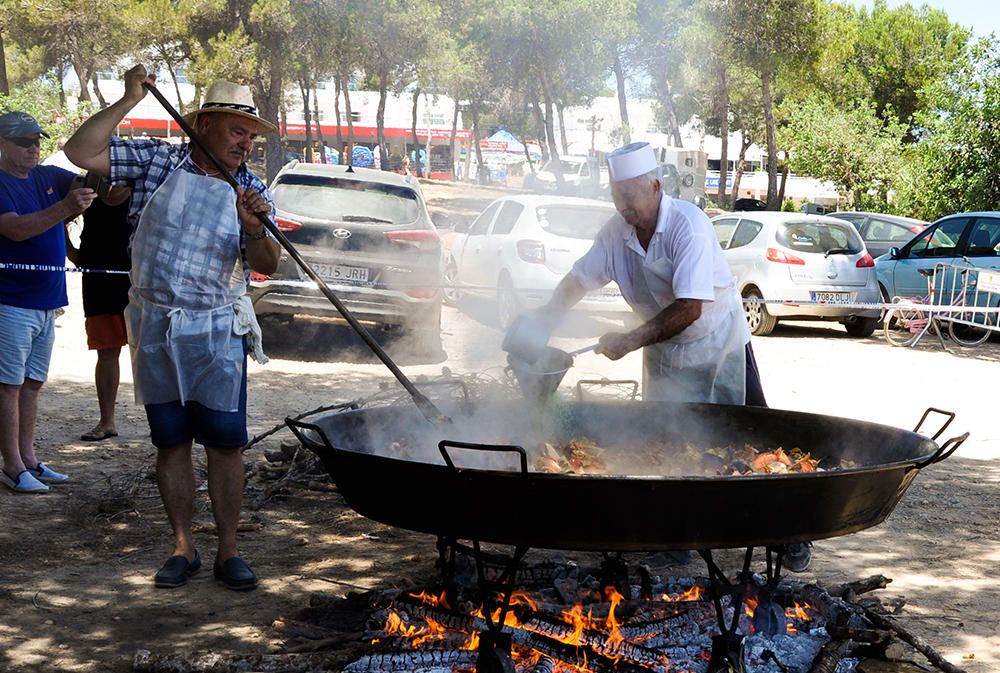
619, 71
307, 117
451, 142
416, 138
61, 75
781, 188
336, 113
319, 127
671, 112
97, 91
268, 100
724, 134
349, 148
167, 61
540, 130
480, 166
745, 142
550, 133
4, 84
383, 86
562, 128
83, 76
772, 143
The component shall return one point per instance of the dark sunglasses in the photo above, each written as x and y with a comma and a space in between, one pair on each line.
26, 142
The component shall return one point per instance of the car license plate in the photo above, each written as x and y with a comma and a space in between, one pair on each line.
342, 274
833, 297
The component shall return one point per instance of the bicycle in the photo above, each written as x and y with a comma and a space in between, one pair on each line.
905, 326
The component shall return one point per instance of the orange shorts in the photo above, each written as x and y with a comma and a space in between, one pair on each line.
106, 331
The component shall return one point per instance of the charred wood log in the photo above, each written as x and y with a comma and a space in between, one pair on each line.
406, 661
849, 590
830, 655
915, 641
874, 636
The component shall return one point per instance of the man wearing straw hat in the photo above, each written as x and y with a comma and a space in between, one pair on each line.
664, 255
190, 323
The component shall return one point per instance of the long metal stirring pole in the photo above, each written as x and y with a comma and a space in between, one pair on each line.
427, 408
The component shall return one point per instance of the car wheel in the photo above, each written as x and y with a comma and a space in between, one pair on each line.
759, 320
508, 305
861, 327
450, 293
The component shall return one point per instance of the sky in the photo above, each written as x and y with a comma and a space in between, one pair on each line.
983, 16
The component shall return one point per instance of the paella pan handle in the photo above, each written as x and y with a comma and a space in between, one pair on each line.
494, 448
949, 414
946, 450
299, 428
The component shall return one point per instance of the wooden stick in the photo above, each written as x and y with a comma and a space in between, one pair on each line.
848, 590
918, 644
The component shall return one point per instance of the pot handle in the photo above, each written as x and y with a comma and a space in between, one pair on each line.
949, 414
298, 429
496, 448
946, 450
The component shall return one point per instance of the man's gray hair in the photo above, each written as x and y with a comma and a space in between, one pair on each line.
655, 175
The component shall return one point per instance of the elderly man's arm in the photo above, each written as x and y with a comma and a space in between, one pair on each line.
88, 147
263, 253
16, 227
669, 322
567, 294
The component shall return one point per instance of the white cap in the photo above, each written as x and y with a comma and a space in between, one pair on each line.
631, 161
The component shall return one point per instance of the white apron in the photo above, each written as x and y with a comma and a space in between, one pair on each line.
704, 363
187, 277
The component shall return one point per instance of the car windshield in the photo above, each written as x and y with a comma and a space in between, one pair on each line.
568, 166
582, 222
343, 200
819, 237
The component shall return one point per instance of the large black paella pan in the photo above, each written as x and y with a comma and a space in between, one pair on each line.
392, 466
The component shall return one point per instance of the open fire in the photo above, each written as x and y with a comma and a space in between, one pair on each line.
576, 624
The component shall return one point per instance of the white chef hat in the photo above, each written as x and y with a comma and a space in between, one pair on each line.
631, 161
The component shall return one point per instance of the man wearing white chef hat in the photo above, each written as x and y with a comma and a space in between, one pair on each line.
664, 255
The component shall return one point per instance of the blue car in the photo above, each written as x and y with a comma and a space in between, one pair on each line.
971, 239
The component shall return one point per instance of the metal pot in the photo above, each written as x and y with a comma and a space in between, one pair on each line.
504, 502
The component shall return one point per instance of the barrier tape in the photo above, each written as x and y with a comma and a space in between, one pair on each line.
904, 306
5, 266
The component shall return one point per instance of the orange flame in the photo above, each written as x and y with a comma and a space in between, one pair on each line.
692, 594
798, 612
431, 599
750, 604
574, 617
472, 644
612, 623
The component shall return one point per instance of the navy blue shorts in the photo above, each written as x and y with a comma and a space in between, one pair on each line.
173, 423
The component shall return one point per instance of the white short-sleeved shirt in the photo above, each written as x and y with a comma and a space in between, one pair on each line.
683, 261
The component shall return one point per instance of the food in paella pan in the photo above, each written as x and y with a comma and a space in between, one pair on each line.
583, 456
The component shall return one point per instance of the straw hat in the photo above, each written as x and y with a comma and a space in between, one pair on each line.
231, 98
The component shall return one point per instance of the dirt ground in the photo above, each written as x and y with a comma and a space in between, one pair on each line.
76, 590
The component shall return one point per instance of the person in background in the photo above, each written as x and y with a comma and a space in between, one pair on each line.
34, 203
190, 322
104, 245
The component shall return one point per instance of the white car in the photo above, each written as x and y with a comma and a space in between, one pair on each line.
582, 176
520, 247
800, 258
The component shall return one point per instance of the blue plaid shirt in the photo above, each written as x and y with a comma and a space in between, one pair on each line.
145, 164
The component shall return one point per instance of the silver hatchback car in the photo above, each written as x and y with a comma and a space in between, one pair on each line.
368, 235
793, 258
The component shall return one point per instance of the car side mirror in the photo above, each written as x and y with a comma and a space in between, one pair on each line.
893, 253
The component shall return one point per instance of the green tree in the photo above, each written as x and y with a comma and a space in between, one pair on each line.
953, 167
851, 147
902, 50
772, 37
